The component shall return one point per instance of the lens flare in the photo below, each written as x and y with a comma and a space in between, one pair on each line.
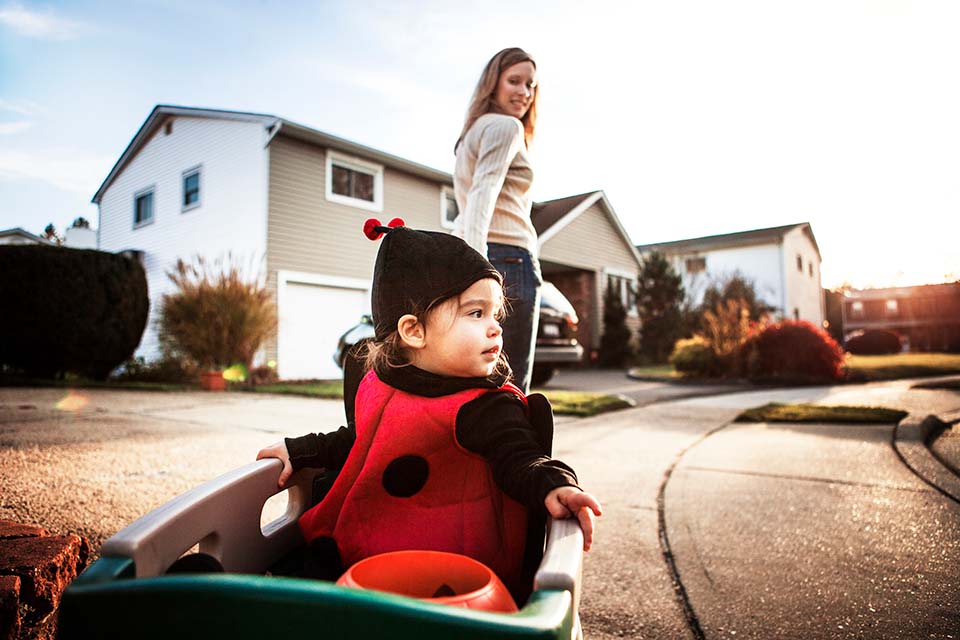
236, 373
73, 401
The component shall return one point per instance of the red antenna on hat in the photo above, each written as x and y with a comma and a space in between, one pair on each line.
374, 230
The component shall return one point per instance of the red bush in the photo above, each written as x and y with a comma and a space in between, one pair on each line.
794, 350
874, 342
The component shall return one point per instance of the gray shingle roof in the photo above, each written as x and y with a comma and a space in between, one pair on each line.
726, 240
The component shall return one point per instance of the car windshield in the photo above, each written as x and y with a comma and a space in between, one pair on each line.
551, 297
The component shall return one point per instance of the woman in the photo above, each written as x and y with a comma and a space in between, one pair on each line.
492, 182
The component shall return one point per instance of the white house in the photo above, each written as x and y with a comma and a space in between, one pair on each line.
783, 263
290, 201
21, 236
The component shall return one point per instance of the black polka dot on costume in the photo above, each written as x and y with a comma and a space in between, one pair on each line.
405, 476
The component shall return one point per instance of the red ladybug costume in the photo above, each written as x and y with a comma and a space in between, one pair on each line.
408, 484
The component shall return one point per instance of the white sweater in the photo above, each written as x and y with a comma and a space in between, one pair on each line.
491, 182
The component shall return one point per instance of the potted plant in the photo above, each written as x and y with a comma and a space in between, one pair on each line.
218, 317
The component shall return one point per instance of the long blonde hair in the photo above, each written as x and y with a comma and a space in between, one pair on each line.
482, 101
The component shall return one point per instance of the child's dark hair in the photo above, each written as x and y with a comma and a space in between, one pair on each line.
391, 353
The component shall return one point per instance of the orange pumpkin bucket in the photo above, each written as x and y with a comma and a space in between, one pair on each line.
436, 576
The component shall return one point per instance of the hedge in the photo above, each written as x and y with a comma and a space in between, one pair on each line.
793, 350
69, 310
874, 342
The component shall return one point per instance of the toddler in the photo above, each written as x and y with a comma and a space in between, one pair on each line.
443, 455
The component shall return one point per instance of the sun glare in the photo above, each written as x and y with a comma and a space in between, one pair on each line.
73, 401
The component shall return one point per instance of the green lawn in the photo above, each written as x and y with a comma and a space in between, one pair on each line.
777, 412
76, 382
330, 389
566, 403
664, 372
901, 365
583, 404
859, 368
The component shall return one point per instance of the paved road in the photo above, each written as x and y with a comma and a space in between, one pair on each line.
765, 523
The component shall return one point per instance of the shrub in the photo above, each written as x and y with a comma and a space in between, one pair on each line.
217, 317
615, 341
874, 342
694, 357
736, 287
793, 350
166, 369
726, 328
69, 310
264, 374
660, 308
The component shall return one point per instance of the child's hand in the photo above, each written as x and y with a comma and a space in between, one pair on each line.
279, 450
566, 502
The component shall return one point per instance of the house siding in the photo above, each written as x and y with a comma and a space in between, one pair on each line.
804, 291
592, 242
760, 264
308, 234
231, 218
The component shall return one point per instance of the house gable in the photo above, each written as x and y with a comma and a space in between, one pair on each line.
590, 223
581, 249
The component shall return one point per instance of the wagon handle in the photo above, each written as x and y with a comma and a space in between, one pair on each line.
562, 564
223, 516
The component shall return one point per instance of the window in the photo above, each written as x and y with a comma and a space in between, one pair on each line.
856, 309
696, 265
799, 263
354, 182
448, 207
191, 189
143, 208
893, 308
626, 287
810, 268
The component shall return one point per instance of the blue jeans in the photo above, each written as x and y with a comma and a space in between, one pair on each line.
521, 281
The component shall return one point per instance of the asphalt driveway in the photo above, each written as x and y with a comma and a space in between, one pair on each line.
773, 529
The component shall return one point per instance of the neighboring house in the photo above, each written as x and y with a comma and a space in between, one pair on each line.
288, 201
783, 264
926, 317
583, 248
80, 238
19, 236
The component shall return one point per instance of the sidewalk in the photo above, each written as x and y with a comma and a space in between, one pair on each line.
821, 531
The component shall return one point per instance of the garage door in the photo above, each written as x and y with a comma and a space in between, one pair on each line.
311, 319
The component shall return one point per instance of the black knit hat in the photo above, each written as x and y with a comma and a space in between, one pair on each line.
417, 270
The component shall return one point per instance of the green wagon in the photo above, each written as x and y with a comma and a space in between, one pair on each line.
129, 593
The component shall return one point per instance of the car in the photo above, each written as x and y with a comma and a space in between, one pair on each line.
557, 345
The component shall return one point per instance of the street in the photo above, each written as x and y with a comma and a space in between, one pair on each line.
774, 531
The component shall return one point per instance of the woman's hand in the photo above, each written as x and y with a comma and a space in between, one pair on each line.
566, 502
279, 451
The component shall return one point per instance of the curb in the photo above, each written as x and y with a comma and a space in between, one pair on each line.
910, 438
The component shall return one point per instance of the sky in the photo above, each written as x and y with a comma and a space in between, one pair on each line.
695, 118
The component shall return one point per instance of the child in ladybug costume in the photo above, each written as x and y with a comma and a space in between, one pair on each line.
443, 455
